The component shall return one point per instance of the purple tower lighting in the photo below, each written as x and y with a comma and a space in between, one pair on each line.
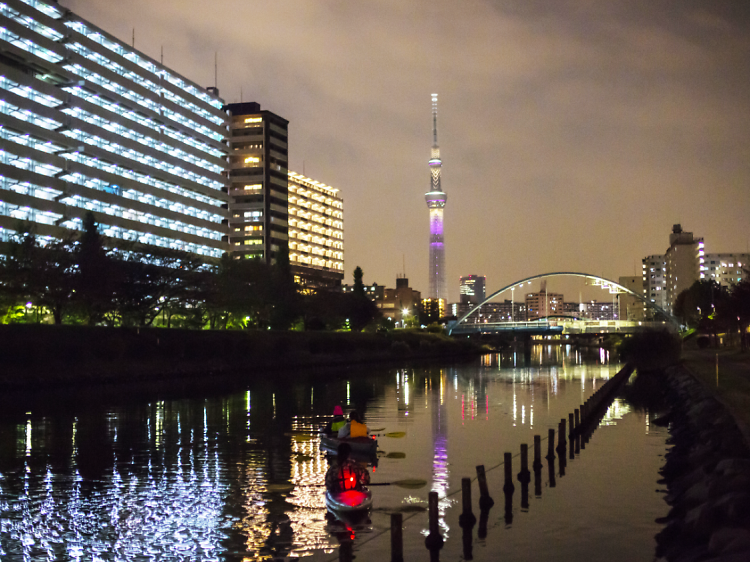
436, 199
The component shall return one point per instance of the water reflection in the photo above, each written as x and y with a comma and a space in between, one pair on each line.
241, 475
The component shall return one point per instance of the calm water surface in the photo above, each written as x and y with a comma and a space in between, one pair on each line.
238, 476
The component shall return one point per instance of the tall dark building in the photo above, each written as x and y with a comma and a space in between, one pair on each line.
472, 289
258, 182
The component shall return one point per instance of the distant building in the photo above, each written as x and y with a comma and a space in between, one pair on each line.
544, 304
375, 292
431, 310
654, 280
393, 303
258, 175
684, 258
599, 310
630, 307
726, 269
472, 289
316, 232
572, 309
505, 311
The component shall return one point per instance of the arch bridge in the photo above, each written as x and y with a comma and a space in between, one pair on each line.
563, 325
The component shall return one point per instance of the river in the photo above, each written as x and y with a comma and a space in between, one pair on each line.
237, 475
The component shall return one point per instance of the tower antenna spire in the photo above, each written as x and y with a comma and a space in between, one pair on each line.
434, 119
436, 199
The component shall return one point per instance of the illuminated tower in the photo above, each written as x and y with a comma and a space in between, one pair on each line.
436, 203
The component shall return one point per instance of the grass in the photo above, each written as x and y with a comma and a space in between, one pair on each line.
734, 379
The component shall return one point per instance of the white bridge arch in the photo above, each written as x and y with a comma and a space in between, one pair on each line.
601, 281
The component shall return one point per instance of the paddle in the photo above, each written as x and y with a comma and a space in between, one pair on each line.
409, 483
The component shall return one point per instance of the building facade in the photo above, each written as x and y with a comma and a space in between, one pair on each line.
316, 232
726, 269
436, 199
654, 279
472, 289
544, 304
87, 123
631, 308
599, 310
505, 311
258, 184
684, 260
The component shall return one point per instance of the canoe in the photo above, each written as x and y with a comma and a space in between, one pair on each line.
361, 446
350, 500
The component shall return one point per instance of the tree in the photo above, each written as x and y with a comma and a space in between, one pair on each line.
147, 280
360, 309
42, 272
697, 304
359, 286
95, 288
736, 311
283, 292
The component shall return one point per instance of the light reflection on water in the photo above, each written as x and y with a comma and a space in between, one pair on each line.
241, 476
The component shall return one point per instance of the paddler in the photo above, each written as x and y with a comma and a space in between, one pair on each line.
346, 474
337, 422
354, 428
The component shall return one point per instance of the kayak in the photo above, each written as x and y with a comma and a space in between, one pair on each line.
349, 500
361, 446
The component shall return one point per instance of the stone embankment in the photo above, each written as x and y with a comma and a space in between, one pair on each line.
707, 473
34, 357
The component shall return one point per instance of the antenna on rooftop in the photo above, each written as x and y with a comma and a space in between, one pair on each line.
162, 55
216, 69
403, 264
134, 37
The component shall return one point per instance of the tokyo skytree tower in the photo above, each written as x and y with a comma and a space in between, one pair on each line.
436, 198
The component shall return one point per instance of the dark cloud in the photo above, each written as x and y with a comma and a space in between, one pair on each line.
573, 133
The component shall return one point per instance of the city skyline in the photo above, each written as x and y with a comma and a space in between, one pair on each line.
577, 136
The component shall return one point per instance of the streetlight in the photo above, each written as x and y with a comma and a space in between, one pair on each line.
404, 314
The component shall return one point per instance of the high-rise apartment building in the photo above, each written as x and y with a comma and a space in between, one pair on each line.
655, 279
631, 308
472, 288
684, 258
436, 199
506, 311
258, 182
544, 304
726, 269
316, 232
87, 123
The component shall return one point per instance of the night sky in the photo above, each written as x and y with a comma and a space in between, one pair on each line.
573, 133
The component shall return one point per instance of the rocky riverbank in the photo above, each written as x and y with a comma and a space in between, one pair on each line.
707, 473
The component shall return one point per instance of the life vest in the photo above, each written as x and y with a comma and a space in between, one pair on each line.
336, 425
348, 478
357, 429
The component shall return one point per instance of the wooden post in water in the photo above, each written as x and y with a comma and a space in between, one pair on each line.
571, 429
524, 477
434, 541
551, 444
508, 464
562, 434
537, 451
485, 501
345, 551
467, 518
397, 537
